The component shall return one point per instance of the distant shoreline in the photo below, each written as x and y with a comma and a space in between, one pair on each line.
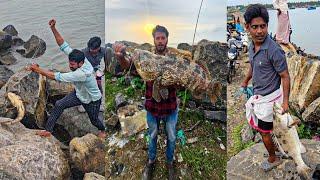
293, 5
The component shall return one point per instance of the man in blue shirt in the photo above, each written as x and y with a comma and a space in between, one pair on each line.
270, 77
86, 91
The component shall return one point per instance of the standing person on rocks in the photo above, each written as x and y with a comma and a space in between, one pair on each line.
270, 78
94, 53
86, 91
283, 27
166, 110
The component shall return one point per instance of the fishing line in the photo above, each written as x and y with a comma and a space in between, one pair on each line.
194, 35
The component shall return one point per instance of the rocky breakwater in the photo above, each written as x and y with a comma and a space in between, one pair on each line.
24, 155
305, 85
13, 48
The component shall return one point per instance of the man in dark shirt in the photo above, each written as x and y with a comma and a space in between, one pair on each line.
94, 53
268, 70
166, 109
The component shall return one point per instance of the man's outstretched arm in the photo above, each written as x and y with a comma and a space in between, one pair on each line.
57, 35
37, 69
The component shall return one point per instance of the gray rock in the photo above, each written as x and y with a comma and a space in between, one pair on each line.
192, 105
77, 124
35, 47
17, 41
120, 100
88, 153
25, 155
5, 41
7, 59
246, 164
216, 115
5, 74
185, 46
132, 120
214, 55
10, 29
312, 112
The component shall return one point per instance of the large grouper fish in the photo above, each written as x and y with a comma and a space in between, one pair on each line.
287, 139
175, 71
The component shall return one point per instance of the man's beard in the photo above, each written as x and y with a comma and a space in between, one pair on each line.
161, 49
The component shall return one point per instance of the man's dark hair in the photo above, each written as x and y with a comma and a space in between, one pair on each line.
94, 43
76, 56
159, 28
254, 11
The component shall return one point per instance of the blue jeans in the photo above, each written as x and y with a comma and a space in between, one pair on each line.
153, 124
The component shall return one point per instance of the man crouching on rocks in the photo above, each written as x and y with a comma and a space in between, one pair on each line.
86, 91
268, 70
166, 109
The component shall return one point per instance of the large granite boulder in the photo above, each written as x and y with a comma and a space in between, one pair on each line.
24, 155
10, 29
31, 88
214, 55
312, 112
77, 123
88, 153
5, 41
185, 46
305, 80
5, 74
34, 47
246, 164
7, 59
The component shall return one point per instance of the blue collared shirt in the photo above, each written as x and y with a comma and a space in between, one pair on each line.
267, 64
83, 78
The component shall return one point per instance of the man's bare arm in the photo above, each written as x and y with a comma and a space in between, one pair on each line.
37, 69
57, 35
247, 78
285, 81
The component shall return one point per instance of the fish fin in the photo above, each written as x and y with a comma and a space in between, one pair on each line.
155, 90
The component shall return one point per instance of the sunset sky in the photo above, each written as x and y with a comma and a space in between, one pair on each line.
133, 20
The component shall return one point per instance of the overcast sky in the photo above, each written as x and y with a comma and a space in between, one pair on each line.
128, 19
246, 2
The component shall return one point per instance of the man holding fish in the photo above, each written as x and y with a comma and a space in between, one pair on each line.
270, 78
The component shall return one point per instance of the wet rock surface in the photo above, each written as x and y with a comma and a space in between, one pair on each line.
246, 164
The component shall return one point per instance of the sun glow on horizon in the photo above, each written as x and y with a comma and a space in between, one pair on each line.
148, 28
